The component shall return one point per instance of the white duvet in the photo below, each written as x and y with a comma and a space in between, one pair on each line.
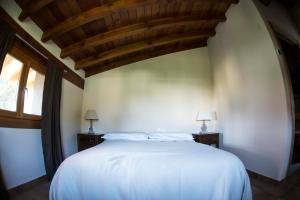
151, 170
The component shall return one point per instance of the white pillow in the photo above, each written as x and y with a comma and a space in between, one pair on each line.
126, 136
170, 137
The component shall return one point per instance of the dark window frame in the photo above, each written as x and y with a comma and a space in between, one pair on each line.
30, 59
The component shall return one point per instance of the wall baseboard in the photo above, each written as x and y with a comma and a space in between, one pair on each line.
25, 186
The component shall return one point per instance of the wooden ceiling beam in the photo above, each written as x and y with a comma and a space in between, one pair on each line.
123, 32
69, 74
33, 7
118, 63
142, 45
101, 11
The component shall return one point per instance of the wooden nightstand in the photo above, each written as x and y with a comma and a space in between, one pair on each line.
85, 141
207, 138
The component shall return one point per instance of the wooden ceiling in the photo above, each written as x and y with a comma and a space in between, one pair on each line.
100, 35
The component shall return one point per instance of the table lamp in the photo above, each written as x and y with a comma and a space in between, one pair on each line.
91, 115
205, 116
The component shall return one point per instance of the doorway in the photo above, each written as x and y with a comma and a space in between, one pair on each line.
291, 53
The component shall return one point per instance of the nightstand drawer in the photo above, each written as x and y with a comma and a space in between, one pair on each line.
207, 138
88, 140
85, 141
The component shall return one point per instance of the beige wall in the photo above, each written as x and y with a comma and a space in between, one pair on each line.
250, 93
159, 94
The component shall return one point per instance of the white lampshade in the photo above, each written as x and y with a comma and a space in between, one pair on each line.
206, 116
91, 114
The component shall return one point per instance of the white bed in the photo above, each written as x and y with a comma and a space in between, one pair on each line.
151, 170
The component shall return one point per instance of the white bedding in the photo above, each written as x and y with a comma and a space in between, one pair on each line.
151, 170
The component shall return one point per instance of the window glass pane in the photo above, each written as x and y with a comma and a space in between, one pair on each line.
9, 83
34, 93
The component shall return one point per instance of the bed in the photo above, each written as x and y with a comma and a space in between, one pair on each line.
126, 169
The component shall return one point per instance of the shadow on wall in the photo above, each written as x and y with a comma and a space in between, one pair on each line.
254, 161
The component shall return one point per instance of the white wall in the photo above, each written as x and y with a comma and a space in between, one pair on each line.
250, 93
71, 104
159, 94
21, 154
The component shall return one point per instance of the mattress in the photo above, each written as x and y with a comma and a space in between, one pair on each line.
139, 170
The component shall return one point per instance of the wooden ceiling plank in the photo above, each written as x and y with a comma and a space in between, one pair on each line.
123, 32
32, 8
143, 45
102, 68
102, 11
91, 15
74, 8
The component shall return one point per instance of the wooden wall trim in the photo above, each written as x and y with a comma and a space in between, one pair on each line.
69, 74
21, 49
15, 122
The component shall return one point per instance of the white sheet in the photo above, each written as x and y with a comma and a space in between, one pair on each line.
151, 170
126, 136
171, 136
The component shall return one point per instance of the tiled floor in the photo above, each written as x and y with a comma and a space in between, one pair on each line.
262, 190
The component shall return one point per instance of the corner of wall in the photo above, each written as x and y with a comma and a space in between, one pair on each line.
242, 57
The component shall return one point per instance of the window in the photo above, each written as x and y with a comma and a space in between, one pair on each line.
21, 87
34, 93
9, 83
